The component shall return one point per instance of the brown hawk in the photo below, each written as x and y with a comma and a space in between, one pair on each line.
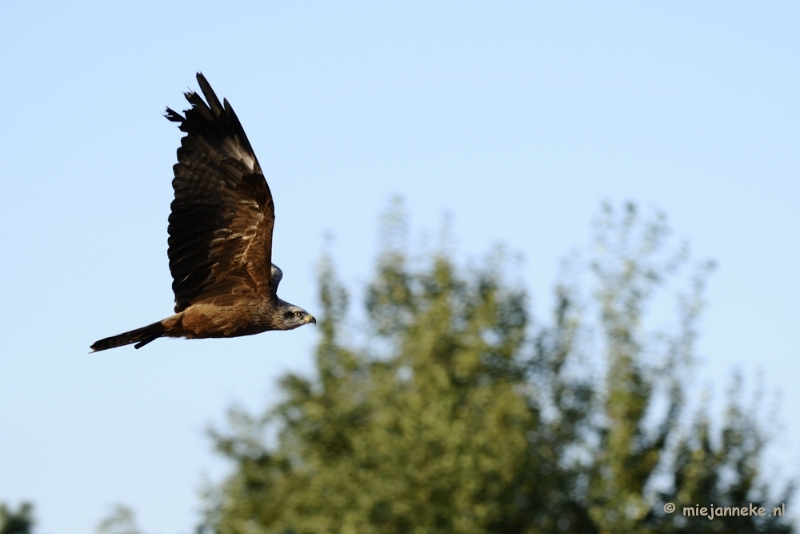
220, 235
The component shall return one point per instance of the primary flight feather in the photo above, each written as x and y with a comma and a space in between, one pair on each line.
220, 235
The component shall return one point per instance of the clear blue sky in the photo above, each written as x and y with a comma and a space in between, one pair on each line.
518, 118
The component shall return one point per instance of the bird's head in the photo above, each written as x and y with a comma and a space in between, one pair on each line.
294, 316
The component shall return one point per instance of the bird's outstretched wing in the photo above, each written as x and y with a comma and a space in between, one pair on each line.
220, 228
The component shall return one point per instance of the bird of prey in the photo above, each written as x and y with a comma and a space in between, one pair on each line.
220, 235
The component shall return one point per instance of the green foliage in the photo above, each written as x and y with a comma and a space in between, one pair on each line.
19, 522
121, 520
459, 415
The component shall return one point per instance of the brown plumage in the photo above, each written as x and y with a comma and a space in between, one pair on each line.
220, 235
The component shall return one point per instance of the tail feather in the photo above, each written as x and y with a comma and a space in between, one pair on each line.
140, 336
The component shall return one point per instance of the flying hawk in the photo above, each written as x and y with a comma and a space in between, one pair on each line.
220, 235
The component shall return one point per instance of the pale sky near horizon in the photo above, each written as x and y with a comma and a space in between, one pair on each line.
518, 119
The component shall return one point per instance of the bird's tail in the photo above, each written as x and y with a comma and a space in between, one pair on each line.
140, 336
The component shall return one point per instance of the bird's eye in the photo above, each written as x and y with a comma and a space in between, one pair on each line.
298, 314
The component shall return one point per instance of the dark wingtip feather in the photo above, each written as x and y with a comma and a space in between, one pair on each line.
211, 96
174, 116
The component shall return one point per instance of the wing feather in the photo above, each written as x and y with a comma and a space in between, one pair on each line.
220, 227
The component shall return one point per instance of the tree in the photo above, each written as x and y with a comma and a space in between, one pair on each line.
120, 520
458, 414
19, 522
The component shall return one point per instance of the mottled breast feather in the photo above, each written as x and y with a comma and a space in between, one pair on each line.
220, 228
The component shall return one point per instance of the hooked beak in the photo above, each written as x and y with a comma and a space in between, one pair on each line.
310, 319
